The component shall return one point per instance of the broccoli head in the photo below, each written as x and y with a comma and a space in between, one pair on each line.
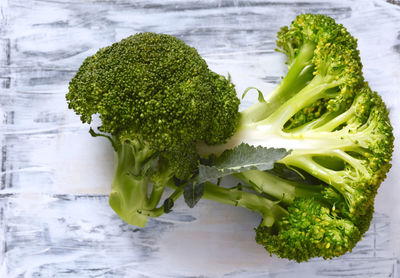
310, 229
156, 97
339, 136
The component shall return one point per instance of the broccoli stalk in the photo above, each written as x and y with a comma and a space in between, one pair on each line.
299, 74
137, 167
284, 191
269, 209
128, 195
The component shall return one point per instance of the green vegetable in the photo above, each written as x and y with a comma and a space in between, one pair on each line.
319, 199
156, 98
242, 158
309, 157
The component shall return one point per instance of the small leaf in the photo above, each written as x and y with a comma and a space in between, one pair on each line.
260, 94
293, 174
242, 158
95, 134
178, 182
168, 204
193, 193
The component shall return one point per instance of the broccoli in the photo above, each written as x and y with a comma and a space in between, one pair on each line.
297, 229
156, 98
340, 140
310, 157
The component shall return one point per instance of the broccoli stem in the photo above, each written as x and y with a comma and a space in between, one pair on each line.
340, 180
270, 210
337, 120
129, 188
156, 194
157, 212
299, 74
309, 94
283, 190
160, 181
306, 163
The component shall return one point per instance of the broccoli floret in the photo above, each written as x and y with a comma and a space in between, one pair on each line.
299, 226
314, 225
338, 131
156, 97
309, 230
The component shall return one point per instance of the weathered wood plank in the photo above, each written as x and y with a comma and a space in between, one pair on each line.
54, 216
79, 235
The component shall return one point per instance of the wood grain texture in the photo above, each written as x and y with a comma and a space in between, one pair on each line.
54, 215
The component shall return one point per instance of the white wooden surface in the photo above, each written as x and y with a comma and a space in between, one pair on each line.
54, 216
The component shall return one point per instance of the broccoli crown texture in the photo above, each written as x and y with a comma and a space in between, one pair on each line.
309, 230
155, 87
335, 49
156, 97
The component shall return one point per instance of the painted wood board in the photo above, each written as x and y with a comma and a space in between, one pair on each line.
54, 215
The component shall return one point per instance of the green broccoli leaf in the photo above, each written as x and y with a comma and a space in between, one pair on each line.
241, 158
293, 174
193, 193
260, 94
168, 204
